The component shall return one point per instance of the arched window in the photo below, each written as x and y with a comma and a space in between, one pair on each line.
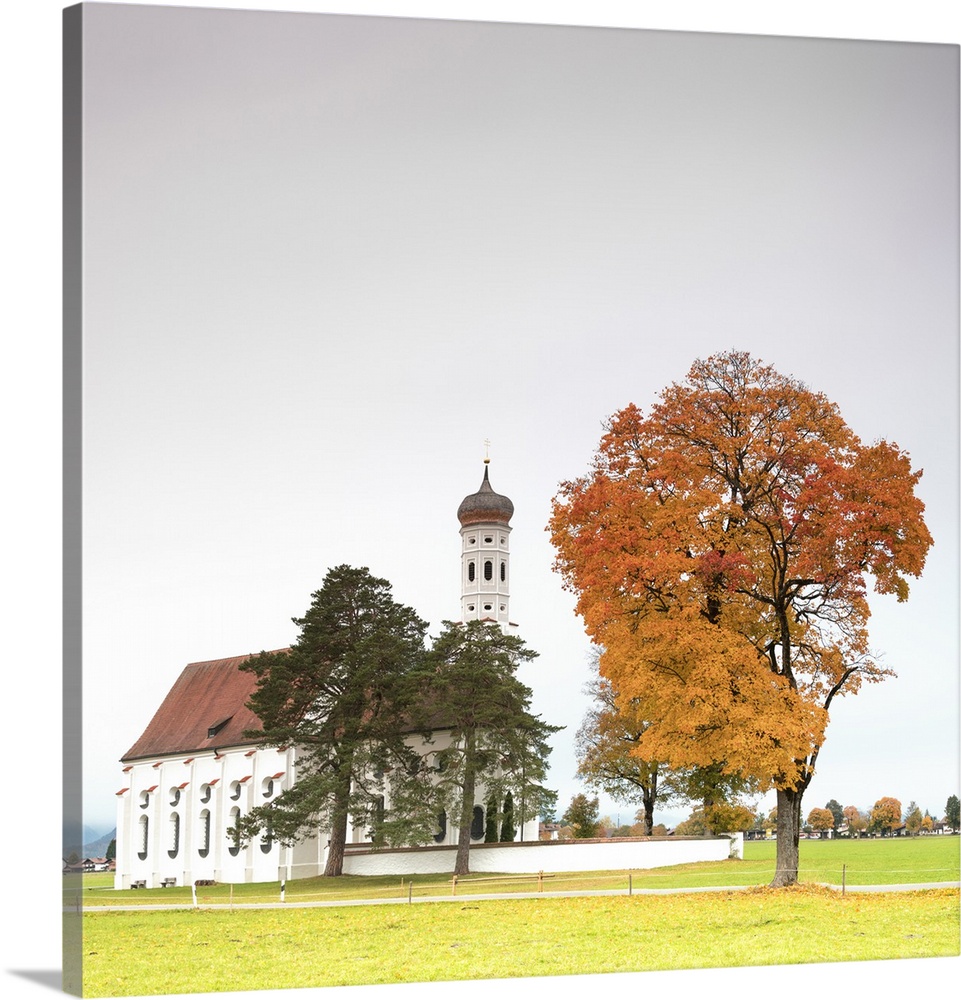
488, 570
233, 832
268, 787
174, 795
235, 788
477, 823
204, 849
442, 831
470, 571
144, 842
144, 800
205, 791
267, 840
503, 571
174, 835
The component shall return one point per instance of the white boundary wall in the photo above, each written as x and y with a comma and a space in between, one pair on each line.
547, 856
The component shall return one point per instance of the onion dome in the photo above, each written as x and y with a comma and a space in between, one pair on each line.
485, 505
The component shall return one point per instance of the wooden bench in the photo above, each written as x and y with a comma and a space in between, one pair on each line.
164, 883
140, 883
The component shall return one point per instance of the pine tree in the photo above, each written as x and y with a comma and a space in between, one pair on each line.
479, 713
582, 816
952, 812
491, 813
837, 811
340, 695
508, 832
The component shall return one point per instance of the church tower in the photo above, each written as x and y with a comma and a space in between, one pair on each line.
485, 555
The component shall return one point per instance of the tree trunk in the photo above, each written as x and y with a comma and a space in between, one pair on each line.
338, 830
648, 813
707, 804
462, 861
788, 836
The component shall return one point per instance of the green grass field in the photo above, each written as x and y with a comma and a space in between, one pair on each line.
186, 951
853, 862
142, 953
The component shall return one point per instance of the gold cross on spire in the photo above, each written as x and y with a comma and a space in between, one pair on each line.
487, 451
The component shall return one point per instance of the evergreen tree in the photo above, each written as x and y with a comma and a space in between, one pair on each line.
549, 808
837, 811
480, 713
490, 828
508, 832
111, 850
582, 816
952, 812
340, 695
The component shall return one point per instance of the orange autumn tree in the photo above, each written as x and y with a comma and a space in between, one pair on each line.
821, 819
886, 814
720, 549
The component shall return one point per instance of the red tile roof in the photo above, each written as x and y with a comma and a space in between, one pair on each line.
205, 694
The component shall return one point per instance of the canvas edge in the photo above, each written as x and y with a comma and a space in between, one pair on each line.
72, 193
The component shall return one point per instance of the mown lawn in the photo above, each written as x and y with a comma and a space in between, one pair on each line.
188, 951
883, 861
185, 951
854, 862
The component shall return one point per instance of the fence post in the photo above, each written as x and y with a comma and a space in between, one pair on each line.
453, 885
630, 884
410, 891
540, 880
844, 878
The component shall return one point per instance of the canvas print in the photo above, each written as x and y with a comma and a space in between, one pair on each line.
518, 475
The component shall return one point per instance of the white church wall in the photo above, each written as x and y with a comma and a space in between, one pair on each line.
189, 787
547, 856
174, 795
137, 835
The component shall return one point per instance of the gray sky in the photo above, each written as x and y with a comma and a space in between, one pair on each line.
328, 257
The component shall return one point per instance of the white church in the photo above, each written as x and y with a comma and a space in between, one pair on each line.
192, 773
